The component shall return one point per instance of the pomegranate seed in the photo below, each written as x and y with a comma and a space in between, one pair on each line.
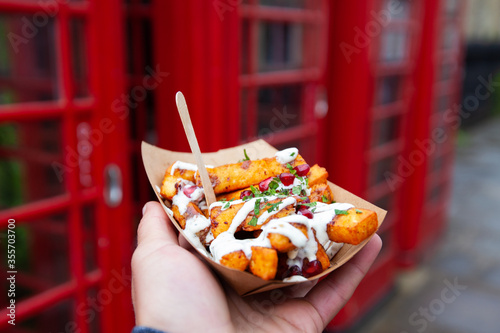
294, 270
246, 193
303, 210
264, 185
287, 178
302, 170
311, 268
188, 190
299, 206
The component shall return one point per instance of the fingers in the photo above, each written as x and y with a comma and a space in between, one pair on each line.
154, 226
331, 294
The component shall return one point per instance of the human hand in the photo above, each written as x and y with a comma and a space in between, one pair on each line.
175, 291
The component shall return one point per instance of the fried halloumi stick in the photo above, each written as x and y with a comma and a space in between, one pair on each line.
322, 193
231, 177
322, 256
317, 175
221, 219
282, 243
264, 262
168, 186
237, 260
191, 210
353, 228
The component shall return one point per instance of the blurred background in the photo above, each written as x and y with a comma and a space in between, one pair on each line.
396, 98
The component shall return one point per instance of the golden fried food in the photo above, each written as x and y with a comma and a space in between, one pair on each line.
353, 226
264, 262
231, 177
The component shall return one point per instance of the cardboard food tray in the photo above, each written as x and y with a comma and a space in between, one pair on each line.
156, 161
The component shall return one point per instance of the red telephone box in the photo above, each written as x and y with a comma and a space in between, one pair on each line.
387, 74
64, 181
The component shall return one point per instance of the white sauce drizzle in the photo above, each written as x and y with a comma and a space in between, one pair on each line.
294, 278
287, 155
186, 166
226, 243
194, 225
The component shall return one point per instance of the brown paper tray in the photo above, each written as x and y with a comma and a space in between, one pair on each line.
156, 161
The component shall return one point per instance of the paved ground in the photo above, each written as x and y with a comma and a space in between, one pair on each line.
426, 300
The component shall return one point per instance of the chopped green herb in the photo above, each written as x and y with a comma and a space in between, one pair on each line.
273, 185
292, 154
256, 209
358, 211
307, 182
296, 190
341, 212
246, 156
254, 190
285, 192
324, 198
274, 206
291, 169
253, 221
226, 205
309, 204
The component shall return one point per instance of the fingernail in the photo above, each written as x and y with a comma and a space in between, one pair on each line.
144, 208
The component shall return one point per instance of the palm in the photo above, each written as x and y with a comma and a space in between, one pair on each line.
175, 291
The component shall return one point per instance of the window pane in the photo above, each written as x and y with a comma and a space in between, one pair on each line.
245, 43
27, 58
42, 255
278, 108
56, 318
79, 57
399, 9
385, 130
284, 3
280, 46
245, 131
89, 238
393, 46
31, 163
379, 169
93, 317
388, 89
384, 202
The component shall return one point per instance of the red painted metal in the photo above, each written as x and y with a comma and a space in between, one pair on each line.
209, 83
426, 219
105, 87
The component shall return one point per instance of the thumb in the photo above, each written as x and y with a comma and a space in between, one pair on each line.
155, 226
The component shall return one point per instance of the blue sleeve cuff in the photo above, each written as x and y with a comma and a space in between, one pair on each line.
143, 329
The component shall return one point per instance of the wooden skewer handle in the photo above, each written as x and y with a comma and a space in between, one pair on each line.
195, 148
